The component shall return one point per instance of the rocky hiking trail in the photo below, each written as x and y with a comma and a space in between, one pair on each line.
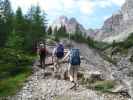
41, 85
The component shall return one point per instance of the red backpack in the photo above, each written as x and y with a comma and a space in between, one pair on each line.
43, 51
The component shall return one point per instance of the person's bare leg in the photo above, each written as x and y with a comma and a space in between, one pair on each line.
55, 64
70, 73
58, 65
75, 76
55, 67
71, 78
76, 73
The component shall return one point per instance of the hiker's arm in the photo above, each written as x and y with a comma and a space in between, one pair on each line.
53, 53
38, 51
66, 55
47, 51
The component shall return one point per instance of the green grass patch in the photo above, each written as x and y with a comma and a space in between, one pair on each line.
103, 86
63, 97
109, 59
98, 85
11, 85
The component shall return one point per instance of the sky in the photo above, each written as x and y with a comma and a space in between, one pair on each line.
89, 13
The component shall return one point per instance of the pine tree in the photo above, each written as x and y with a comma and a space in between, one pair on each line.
6, 22
37, 26
77, 30
1, 23
44, 20
19, 21
61, 31
37, 20
49, 31
55, 30
1, 10
15, 41
16, 38
78, 34
9, 15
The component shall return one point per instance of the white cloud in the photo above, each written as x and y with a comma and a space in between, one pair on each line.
24, 4
50, 5
118, 2
68, 4
104, 4
86, 6
106, 17
108, 3
75, 8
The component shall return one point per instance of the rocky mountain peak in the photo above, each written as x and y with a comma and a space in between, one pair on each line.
127, 10
73, 20
63, 19
119, 26
70, 24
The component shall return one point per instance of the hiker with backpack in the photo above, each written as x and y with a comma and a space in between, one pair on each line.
58, 54
42, 53
74, 63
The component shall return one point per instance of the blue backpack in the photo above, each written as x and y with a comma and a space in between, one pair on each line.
60, 51
74, 58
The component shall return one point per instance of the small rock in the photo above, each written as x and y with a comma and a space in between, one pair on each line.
96, 75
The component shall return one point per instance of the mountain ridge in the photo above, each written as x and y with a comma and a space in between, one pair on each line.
71, 24
119, 26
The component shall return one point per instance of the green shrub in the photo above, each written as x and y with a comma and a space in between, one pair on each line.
14, 69
128, 43
14, 56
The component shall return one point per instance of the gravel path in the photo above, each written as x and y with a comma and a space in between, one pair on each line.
39, 87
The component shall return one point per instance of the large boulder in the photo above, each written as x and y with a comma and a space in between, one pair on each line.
94, 75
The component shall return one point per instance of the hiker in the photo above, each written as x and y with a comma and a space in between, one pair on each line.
74, 63
42, 53
58, 54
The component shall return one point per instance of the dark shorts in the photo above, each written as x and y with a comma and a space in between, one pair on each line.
42, 57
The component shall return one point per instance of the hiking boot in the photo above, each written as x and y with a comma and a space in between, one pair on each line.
74, 86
